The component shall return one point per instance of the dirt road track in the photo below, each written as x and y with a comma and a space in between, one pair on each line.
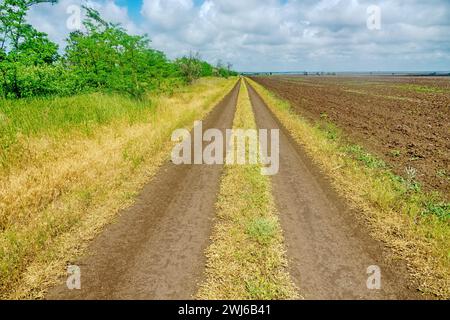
156, 249
328, 250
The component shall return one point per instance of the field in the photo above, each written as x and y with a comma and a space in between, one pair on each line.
404, 121
227, 232
91, 167
132, 173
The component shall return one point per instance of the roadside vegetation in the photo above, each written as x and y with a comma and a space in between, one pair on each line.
246, 259
89, 83
101, 56
413, 223
72, 177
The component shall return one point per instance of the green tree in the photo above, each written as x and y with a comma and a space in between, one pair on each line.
207, 69
26, 55
190, 67
101, 57
105, 56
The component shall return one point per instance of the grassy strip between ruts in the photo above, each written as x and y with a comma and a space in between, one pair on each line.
413, 224
246, 259
75, 184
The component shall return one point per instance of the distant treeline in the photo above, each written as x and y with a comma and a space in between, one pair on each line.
101, 57
355, 73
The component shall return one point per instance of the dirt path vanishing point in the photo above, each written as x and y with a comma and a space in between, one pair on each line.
156, 248
328, 250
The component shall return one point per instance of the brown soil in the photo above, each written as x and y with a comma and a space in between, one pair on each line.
156, 248
328, 249
405, 121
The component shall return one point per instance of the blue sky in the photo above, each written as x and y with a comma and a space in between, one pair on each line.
134, 8
281, 35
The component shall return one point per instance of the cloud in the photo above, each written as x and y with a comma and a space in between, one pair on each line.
285, 34
52, 19
168, 14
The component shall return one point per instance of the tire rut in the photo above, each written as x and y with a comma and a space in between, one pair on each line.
156, 248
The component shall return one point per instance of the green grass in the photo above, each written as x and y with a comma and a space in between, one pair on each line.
406, 186
58, 117
358, 153
262, 229
49, 115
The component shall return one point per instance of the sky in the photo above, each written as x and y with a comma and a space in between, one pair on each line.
279, 35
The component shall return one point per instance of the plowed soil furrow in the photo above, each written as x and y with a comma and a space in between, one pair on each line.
156, 248
329, 251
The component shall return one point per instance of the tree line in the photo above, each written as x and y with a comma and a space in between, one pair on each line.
103, 56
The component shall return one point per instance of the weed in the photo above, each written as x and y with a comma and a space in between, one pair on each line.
442, 173
395, 153
412, 184
332, 132
358, 153
262, 229
246, 259
421, 89
440, 210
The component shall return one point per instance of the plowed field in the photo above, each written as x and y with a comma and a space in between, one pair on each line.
403, 120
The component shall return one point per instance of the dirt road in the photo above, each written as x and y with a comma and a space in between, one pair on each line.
156, 248
329, 251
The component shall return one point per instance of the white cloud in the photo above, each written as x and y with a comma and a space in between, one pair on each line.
285, 34
168, 14
52, 19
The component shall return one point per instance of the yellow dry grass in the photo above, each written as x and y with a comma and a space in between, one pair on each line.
246, 259
393, 218
77, 184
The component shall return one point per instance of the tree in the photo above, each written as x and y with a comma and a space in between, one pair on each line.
207, 69
190, 66
223, 70
229, 66
25, 53
102, 57
105, 56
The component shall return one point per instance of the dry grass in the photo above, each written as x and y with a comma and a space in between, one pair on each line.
246, 259
394, 211
77, 183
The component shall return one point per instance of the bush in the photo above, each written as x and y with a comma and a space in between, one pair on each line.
103, 57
